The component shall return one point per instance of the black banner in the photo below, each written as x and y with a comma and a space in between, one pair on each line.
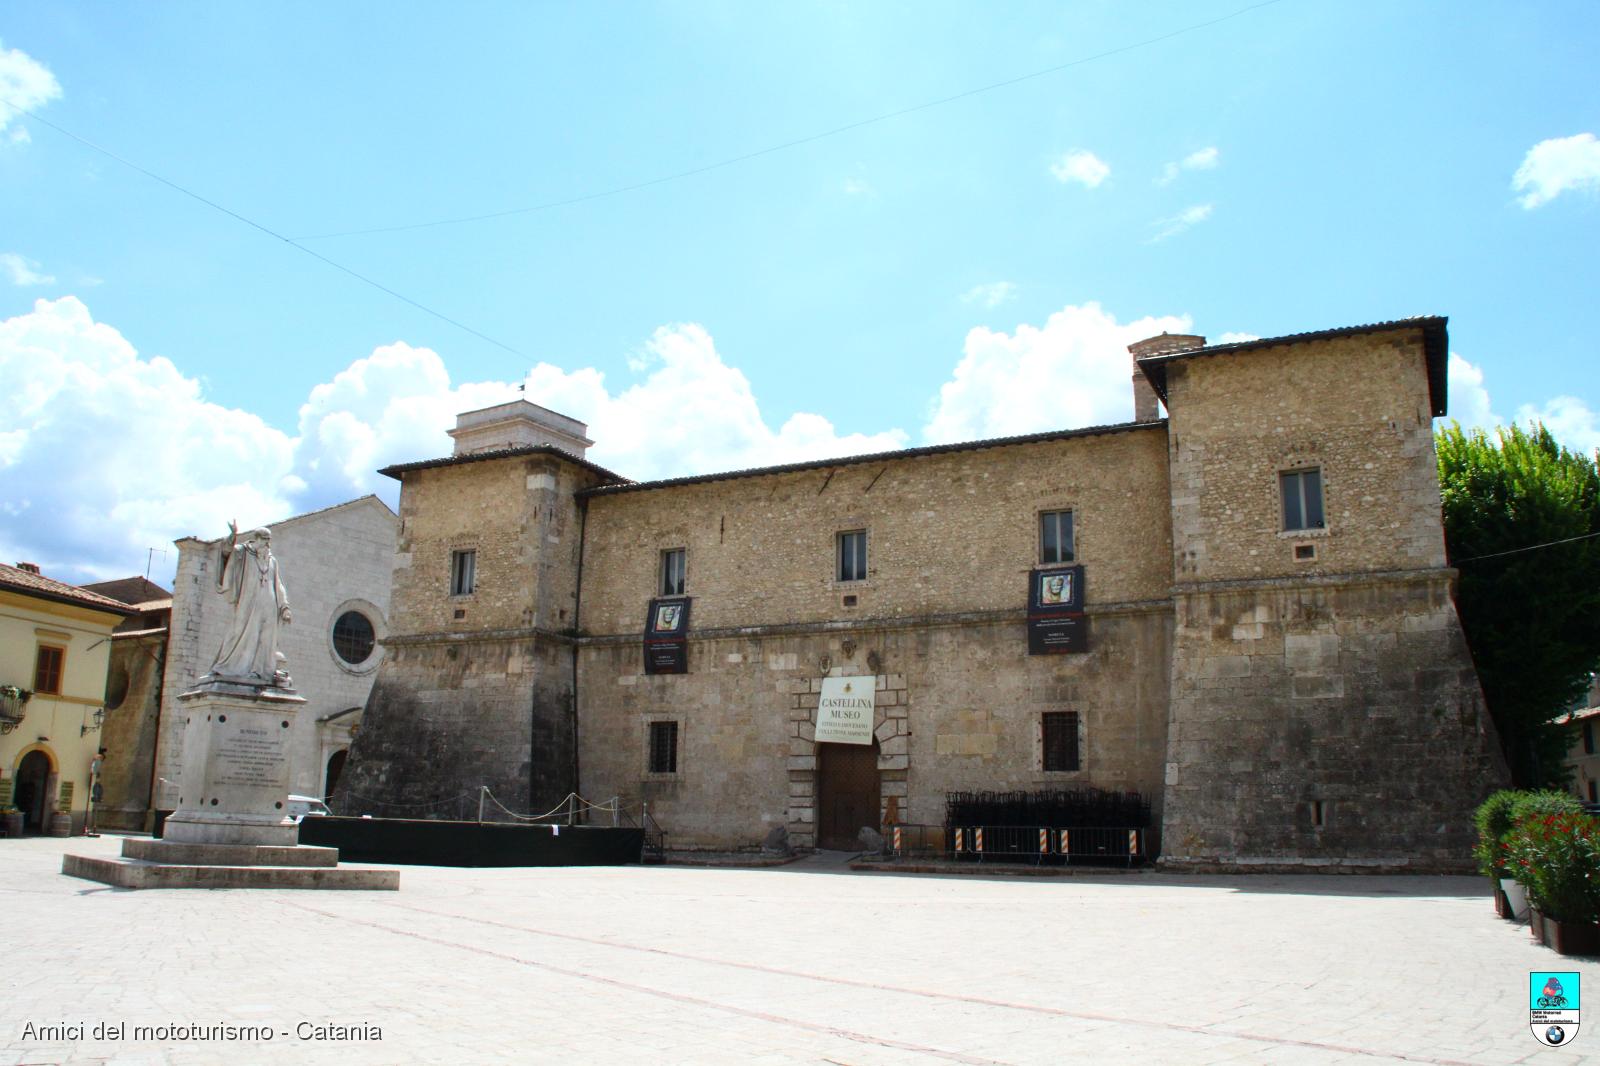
666, 636
1056, 622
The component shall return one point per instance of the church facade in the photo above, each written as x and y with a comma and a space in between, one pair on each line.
1241, 611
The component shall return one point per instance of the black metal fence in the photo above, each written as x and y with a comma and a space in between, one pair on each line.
1039, 845
1049, 808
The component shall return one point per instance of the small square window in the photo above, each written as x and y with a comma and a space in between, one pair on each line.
1055, 537
1302, 499
672, 571
853, 555
47, 669
1061, 740
663, 747
463, 572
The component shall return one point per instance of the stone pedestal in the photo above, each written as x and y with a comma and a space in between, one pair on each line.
235, 766
230, 830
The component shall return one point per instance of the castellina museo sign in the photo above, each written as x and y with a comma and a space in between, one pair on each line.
844, 716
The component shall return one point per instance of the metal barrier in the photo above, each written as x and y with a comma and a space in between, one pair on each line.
1040, 845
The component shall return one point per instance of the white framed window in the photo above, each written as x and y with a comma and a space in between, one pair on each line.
673, 571
463, 572
1055, 537
1301, 492
853, 555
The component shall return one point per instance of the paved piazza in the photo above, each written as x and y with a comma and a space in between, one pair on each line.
807, 963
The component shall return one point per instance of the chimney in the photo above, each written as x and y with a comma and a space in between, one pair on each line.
32, 568
1146, 408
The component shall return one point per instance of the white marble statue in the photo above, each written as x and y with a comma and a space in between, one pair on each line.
247, 574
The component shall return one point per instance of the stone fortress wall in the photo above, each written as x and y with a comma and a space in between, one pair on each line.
1285, 699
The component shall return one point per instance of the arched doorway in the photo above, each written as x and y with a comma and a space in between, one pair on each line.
335, 768
849, 794
32, 795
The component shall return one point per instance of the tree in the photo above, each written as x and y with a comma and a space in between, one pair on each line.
1520, 514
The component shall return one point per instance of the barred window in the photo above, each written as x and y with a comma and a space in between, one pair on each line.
853, 555
1302, 499
672, 571
1061, 740
1055, 537
663, 747
463, 572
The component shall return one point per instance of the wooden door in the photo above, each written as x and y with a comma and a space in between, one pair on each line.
848, 794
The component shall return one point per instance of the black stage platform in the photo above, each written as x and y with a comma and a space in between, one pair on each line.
416, 842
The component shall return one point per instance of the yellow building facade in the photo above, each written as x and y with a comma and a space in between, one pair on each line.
55, 647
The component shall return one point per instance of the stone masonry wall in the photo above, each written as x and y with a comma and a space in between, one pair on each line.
476, 689
1324, 711
958, 708
129, 731
1357, 407
1358, 696
955, 532
939, 623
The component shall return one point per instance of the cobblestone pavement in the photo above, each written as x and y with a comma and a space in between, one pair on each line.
806, 963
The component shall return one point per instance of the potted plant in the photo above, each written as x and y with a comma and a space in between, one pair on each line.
1494, 821
1557, 859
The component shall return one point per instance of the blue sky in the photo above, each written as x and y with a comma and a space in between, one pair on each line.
962, 270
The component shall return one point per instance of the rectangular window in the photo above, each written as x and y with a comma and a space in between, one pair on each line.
1302, 499
663, 747
672, 571
1061, 740
1592, 793
463, 572
1588, 737
1055, 537
47, 669
853, 555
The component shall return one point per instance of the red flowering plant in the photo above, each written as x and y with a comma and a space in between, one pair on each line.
1556, 857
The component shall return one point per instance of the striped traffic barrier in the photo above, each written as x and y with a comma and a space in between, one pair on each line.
1133, 842
960, 840
897, 840
1044, 842
977, 839
1066, 842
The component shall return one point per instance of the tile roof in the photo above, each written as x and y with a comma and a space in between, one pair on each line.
499, 453
28, 583
131, 590
1435, 345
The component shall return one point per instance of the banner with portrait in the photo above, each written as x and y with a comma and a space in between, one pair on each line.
666, 636
1056, 622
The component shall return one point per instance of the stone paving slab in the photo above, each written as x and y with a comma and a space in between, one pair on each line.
805, 963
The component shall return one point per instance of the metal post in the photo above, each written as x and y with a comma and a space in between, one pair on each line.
483, 792
616, 804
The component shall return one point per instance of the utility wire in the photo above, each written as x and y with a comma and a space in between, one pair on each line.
786, 145
108, 153
1529, 548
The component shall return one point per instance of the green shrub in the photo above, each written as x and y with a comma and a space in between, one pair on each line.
1494, 822
1497, 815
1556, 857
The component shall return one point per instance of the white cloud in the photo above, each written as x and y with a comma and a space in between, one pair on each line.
1075, 370
1203, 159
106, 452
991, 295
1234, 338
1083, 167
1555, 166
1466, 397
857, 187
1568, 419
22, 271
25, 82
1171, 227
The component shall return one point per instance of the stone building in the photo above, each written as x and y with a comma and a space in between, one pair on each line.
133, 703
1242, 611
335, 564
